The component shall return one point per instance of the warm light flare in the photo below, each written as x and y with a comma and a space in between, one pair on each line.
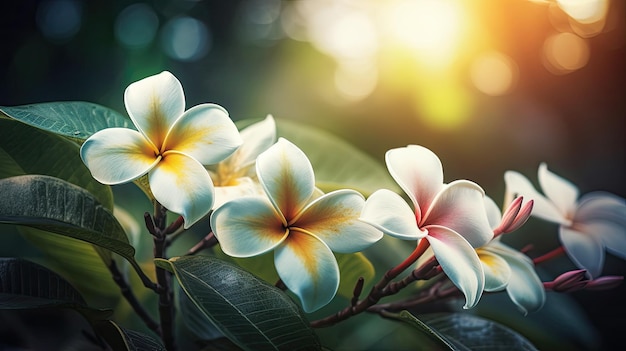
585, 11
565, 52
433, 28
493, 73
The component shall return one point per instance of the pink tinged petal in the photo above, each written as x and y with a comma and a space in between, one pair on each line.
247, 226
560, 191
257, 138
183, 186
308, 268
204, 132
600, 205
286, 174
611, 235
518, 185
583, 248
334, 218
154, 103
493, 212
118, 155
419, 173
497, 271
459, 261
460, 207
388, 212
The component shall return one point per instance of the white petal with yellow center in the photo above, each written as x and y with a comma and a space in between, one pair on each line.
182, 185
118, 155
388, 212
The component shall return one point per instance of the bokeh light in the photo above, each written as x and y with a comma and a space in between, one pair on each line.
136, 26
585, 11
565, 52
59, 20
185, 39
493, 73
433, 28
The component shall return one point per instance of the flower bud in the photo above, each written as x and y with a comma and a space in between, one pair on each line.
605, 283
570, 281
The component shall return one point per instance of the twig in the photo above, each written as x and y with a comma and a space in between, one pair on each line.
132, 299
166, 306
378, 291
208, 241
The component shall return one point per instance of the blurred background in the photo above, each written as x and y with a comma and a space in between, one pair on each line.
487, 85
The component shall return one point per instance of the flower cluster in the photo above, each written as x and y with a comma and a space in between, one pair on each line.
262, 196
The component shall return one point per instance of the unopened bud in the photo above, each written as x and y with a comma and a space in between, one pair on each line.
515, 216
605, 283
570, 281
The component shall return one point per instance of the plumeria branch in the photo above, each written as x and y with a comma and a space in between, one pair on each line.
157, 227
130, 297
549, 255
208, 241
382, 288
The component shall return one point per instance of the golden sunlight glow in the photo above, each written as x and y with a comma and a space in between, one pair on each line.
565, 52
444, 105
585, 11
356, 79
493, 73
430, 27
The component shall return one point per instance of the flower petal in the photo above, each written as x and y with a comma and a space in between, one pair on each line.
247, 226
388, 212
243, 187
419, 173
524, 288
257, 138
494, 216
600, 205
334, 218
460, 206
182, 185
308, 268
584, 249
153, 104
560, 191
459, 261
497, 270
610, 234
518, 185
204, 132
286, 174
117, 155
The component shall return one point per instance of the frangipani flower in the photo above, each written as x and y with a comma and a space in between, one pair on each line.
588, 226
301, 226
235, 176
507, 268
171, 145
450, 216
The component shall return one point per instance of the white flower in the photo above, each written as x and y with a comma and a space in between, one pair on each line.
299, 224
587, 226
171, 145
450, 216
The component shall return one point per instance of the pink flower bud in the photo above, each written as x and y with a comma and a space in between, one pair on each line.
605, 283
515, 216
570, 281
510, 213
522, 216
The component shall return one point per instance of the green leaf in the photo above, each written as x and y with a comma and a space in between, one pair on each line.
76, 120
27, 150
54, 205
250, 312
76, 260
464, 331
337, 164
27, 285
120, 338
441, 341
351, 267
